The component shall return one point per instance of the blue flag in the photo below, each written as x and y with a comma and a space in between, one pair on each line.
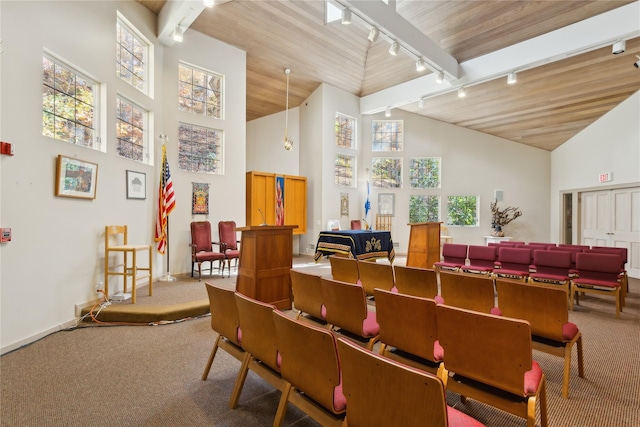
367, 208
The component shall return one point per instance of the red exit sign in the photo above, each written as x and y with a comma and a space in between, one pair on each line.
606, 177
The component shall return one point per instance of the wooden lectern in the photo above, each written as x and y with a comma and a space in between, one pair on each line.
266, 258
424, 244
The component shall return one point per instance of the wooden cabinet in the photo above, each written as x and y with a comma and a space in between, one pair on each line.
262, 195
424, 244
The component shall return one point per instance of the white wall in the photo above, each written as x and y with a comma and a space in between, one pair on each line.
56, 257
611, 144
265, 144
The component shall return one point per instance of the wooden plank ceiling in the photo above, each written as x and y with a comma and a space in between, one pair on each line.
547, 106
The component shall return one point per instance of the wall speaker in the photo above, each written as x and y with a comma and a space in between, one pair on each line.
499, 195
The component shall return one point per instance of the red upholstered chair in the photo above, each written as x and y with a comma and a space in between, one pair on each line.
471, 291
454, 256
542, 244
202, 247
574, 249
598, 273
513, 263
551, 267
229, 243
481, 259
356, 224
623, 261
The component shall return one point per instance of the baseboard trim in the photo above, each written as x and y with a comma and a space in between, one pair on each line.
29, 340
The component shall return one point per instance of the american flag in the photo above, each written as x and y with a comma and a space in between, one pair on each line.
166, 202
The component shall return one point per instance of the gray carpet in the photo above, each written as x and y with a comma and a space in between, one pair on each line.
150, 375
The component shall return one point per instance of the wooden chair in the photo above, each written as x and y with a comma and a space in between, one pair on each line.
598, 273
347, 311
310, 364
454, 256
130, 267
202, 248
470, 291
488, 358
229, 243
513, 263
546, 309
419, 282
225, 322
622, 252
408, 330
356, 224
375, 275
383, 392
383, 222
481, 259
259, 340
551, 267
307, 294
344, 269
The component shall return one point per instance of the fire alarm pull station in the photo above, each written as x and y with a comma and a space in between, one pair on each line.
5, 235
6, 148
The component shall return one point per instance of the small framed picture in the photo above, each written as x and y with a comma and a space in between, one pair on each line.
76, 178
386, 203
136, 185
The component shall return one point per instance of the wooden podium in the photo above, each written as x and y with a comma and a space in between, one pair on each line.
424, 244
266, 258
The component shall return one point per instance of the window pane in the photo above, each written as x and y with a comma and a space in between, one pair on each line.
345, 131
343, 171
199, 91
199, 149
424, 209
130, 130
130, 58
424, 172
462, 211
387, 135
387, 173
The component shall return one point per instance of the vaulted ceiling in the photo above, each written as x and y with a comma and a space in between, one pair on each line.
567, 76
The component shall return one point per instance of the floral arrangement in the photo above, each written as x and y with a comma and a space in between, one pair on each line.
500, 218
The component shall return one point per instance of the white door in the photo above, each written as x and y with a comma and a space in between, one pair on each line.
612, 218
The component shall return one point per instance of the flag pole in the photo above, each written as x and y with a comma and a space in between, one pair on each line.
168, 277
162, 224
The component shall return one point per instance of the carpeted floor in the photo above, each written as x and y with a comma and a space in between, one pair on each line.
150, 375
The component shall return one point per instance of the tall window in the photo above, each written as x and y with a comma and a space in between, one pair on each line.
462, 211
69, 104
131, 122
387, 135
200, 149
200, 91
424, 172
424, 209
132, 56
387, 172
344, 170
345, 131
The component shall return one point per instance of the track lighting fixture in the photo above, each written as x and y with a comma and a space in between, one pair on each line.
421, 103
373, 34
512, 78
618, 47
462, 92
178, 34
208, 3
395, 47
637, 63
439, 77
346, 16
420, 66
387, 112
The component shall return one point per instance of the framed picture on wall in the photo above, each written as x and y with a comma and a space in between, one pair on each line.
76, 178
136, 185
386, 203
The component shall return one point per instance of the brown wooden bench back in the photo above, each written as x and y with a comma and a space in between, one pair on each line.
382, 392
470, 291
344, 269
420, 282
258, 329
345, 303
407, 322
224, 313
490, 349
546, 308
309, 358
375, 275
307, 293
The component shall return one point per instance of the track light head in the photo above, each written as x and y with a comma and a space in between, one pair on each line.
387, 112
618, 47
512, 78
439, 77
420, 65
637, 63
373, 34
462, 92
178, 34
421, 103
346, 16
395, 47
208, 3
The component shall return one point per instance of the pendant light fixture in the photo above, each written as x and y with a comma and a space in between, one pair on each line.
288, 142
